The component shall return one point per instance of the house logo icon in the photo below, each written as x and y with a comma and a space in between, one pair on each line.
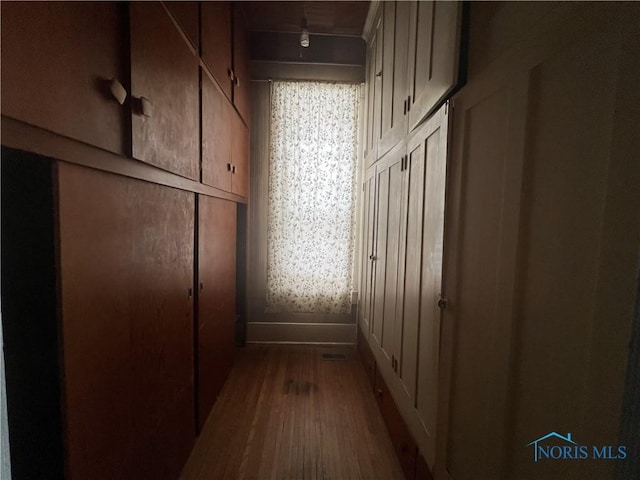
567, 441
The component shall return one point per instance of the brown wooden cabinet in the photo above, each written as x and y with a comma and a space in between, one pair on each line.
164, 91
114, 311
239, 156
216, 298
52, 76
216, 42
187, 14
217, 115
240, 62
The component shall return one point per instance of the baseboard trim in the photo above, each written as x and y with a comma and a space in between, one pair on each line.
302, 333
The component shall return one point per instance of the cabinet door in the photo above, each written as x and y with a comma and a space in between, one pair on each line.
240, 156
369, 219
407, 313
216, 300
126, 270
389, 204
394, 74
217, 113
52, 76
164, 87
187, 14
216, 42
433, 146
370, 144
240, 63
434, 44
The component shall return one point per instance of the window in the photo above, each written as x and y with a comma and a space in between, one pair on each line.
312, 197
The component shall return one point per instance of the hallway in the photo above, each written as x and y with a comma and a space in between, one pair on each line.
287, 412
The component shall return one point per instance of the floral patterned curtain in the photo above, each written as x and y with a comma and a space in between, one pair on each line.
312, 197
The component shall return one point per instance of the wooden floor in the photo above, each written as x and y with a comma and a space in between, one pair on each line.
287, 413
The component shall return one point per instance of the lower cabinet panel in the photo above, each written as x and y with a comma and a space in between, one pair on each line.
126, 274
216, 299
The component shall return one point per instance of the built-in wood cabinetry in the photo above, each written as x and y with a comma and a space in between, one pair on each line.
52, 76
217, 42
412, 65
164, 91
514, 309
142, 351
216, 299
405, 260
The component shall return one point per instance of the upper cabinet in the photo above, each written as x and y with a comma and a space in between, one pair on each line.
434, 45
164, 91
393, 124
240, 62
51, 75
225, 52
216, 42
412, 66
187, 14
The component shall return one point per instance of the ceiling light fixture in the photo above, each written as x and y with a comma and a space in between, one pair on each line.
304, 33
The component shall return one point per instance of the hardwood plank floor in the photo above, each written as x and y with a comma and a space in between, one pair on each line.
287, 413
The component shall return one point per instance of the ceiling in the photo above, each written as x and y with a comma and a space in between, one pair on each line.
333, 18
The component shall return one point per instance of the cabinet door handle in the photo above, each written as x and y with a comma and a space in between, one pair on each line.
408, 103
190, 292
229, 167
230, 73
117, 90
372, 257
146, 107
379, 392
405, 108
379, 75
201, 286
236, 80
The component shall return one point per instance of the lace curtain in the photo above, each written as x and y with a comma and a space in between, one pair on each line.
312, 197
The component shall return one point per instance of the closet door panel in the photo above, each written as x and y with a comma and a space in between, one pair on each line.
409, 303
239, 156
433, 55
217, 298
435, 151
126, 263
216, 136
164, 89
380, 254
241, 80
216, 42
369, 246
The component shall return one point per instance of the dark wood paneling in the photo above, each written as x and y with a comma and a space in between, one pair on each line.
217, 299
241, 90
337, 18
165, 71
285, 47
29, 318
53, 77
216, 136
216, 42
126, 261
240, 157
187, 15
21, 136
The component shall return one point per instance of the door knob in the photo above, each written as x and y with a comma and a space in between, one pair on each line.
443, 302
